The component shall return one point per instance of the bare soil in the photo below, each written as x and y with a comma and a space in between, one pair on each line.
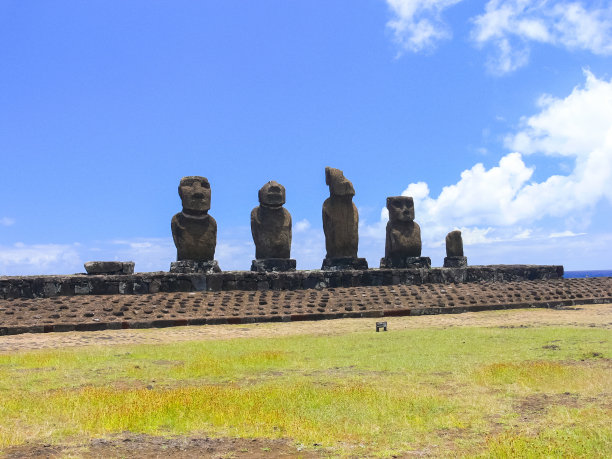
593, 315
148, 447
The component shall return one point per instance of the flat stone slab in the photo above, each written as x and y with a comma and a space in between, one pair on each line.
273, 265
109, 267
344, 263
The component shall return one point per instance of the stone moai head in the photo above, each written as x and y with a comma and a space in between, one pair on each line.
195, 193
338, 184
272, 194
401, 209
454, 244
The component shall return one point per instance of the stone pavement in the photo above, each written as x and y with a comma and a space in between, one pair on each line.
100, 312
595, 315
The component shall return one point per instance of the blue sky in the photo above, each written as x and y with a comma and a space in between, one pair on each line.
495, 115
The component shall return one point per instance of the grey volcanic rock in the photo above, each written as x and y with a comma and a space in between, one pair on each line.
109, 267
195, 267
340, 222
454, 244
147, 283
273, 265
193, 230
403, 241
271, 223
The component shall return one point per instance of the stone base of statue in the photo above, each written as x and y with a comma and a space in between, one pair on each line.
455, 262
264, 265
344, 263
109, 267
405, 262
195, 267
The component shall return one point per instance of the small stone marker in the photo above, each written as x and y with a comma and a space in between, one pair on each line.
380, 325
109, 267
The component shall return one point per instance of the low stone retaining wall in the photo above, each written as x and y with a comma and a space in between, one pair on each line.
144, 283
100, 312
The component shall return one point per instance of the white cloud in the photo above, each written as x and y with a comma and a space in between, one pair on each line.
301, 226
24, 259
503, 203
566, 233
511, 25
7, 221
416, 24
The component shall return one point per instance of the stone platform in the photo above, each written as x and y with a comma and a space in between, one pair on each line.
157, 282
99, 312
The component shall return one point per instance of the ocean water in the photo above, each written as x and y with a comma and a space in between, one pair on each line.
594, 273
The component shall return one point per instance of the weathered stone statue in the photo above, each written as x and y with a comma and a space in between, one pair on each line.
403, 241
193, 230
454, 251
271, 229
340, 224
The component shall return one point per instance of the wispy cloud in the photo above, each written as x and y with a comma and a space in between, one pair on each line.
509, 27
25, 259
6, 221
417, 25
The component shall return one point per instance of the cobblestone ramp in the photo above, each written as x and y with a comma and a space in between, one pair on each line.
98, 312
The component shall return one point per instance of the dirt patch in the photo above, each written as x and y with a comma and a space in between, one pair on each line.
537, 405
595, 315
148, 446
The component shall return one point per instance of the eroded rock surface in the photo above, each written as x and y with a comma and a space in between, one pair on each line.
454, 251
271, 230
340, 222
271, 223
454, 244
403, 240
109, 267
193, 230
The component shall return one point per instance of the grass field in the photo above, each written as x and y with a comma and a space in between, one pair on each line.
461, 391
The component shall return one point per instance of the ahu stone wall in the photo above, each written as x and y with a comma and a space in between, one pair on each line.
155, 282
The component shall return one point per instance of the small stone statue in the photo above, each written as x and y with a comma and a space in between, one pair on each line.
403, 241
193, 230
340, 224
454, 251
271, 229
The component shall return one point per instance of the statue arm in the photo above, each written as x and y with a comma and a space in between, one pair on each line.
174, 225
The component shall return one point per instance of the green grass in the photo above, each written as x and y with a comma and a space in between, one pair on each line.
521, 392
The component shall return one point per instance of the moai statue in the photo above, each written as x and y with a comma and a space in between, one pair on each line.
271, 229
193, 230
403, 241
454, 251
340, 224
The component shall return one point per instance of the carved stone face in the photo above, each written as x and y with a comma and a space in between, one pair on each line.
401, 208
195, 193
272, 194
338, 184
